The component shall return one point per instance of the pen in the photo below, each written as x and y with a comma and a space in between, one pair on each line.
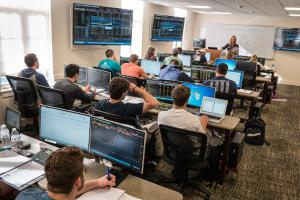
108, 176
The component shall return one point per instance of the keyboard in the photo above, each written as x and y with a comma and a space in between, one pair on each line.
41, 156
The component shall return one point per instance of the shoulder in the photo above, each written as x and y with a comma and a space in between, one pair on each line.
32, 193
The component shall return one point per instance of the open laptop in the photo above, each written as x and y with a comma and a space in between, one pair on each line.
214, 108
12, 119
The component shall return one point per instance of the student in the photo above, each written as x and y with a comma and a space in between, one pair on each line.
118, 88
179, 117
110, 63
254, 58
222, 84
132, 68
30, 72
229, 55
174, 56
232, 45
151, 54
72, 90
64, 171
173, 73
200, 57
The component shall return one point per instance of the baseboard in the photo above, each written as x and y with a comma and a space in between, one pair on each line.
288, 82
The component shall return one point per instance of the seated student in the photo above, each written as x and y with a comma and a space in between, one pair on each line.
229, 55
174, 56
254, 58
222, 84
110, 63
200, 57
118, 88
132, 68
30, 72
179, 117
150, 54
72, 90
173, 73
64, 171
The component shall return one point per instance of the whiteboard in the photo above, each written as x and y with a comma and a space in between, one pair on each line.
251, 39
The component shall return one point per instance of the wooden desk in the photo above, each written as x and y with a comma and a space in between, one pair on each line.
263, 79
134, 186
252, 97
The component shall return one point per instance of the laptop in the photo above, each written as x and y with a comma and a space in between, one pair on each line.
214, 108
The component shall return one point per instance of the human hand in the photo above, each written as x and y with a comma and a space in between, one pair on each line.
87, 88
204, 119
103, 181
131, 87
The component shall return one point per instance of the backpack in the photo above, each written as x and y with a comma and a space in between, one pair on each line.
255, 131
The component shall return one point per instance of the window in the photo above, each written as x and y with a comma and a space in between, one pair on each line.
25, 28
179, 12
137, 27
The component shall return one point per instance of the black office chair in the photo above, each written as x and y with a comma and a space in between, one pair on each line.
26, 97
53, 97
118, 118
180, 152
230, 98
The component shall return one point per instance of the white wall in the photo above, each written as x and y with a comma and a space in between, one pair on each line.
286, 62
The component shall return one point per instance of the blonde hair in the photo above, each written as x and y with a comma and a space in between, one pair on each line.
254, 58
232, 37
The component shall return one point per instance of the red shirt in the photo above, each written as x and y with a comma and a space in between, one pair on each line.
130, 69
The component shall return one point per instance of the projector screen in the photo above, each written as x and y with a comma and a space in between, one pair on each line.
167, 28
97, 25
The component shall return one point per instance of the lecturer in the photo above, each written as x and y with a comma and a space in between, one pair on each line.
232, 45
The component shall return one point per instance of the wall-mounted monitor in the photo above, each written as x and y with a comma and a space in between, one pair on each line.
287, 39
167, 28
98, 25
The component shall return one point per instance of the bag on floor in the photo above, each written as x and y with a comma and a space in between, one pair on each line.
255, 131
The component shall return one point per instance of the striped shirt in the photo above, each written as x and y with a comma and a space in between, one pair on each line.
222, 85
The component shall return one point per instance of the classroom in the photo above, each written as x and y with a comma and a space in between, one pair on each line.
149, 99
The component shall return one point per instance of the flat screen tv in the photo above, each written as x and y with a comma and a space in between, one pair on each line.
167, 28
98, 25
287, 39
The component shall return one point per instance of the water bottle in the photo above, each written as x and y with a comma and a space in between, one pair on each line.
5, 137
15, 138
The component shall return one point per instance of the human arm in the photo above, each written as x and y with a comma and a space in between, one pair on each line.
97, 183
41, 80
149, 101
84, 94
204, 121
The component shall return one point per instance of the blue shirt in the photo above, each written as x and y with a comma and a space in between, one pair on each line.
110, 64
33, 194
172, 73
40, 78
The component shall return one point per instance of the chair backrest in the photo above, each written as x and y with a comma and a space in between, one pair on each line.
179, 145
53, 97
25, 93
118, 118
229, 97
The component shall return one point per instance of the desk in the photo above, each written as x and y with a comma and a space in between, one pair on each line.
252, 97
263, 79
133, 186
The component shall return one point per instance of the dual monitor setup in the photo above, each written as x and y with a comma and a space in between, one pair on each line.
109, 140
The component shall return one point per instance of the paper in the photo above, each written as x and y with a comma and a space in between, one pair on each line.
127, 197
245, 91
103, 194
23, 174
10, 160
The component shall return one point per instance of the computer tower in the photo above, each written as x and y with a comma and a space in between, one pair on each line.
236, 148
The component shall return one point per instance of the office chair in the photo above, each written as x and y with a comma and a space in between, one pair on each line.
107, 70
53, 97
229, 97
26, 97
179, 151
118, 118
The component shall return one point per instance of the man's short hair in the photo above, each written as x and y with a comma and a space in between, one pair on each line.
71, 70
175, 52
174, 62
133, 58
117, 87
109, 53
62, 168
222, 68
30, 59
181, 95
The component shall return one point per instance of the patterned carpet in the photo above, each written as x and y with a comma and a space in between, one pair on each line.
265, 172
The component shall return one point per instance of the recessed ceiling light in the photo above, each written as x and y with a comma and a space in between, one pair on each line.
221, 13
292, 8
294, 15
199, 7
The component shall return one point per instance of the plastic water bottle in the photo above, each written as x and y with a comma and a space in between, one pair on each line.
15, 138
5, 137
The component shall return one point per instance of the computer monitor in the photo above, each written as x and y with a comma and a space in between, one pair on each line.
186, 59
12, 119
151, 67
246, 66
236, 76
124, 60
3, 80
200, 74
230, 63
98, 78
198, 92
161, 89
64, 127
118, 143
82, 76
213, 106
207, 55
